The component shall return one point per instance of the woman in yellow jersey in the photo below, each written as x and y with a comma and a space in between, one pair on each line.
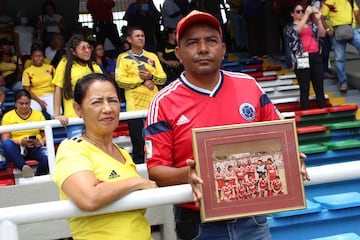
25, 144
77, 64
37, 79
93, 172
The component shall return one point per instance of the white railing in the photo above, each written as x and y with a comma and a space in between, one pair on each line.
41, 212
10, 217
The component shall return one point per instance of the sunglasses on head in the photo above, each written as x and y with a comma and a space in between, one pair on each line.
300, 11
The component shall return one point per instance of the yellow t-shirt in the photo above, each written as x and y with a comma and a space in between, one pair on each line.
12, 117
39, 79
7, 68
339, 12
137, 95
77, 71
75, 155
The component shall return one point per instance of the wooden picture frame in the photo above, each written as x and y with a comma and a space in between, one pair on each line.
248, 169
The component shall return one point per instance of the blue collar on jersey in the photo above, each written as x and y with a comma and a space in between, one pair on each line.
201, 90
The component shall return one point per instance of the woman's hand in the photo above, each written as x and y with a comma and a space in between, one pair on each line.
148, 184
43, 105
63, 120
304, 172
194, 181
30, 143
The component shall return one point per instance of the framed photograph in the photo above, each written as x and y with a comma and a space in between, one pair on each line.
248, 169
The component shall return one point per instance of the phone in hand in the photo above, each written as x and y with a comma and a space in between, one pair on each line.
316, 4
32, 137
141, 67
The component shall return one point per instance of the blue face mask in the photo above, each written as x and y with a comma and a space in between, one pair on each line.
144, 7
24, 20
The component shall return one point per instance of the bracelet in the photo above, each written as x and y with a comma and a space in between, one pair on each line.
328, 29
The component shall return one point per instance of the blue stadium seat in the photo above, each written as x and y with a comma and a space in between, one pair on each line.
344, 236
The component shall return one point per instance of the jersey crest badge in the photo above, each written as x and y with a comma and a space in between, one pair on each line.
247, 111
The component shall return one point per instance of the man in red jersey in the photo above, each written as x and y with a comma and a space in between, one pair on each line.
203, 96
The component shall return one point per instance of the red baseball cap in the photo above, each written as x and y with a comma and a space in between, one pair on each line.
196, 17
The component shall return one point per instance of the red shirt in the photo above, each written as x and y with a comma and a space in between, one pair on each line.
100, 10
180, 107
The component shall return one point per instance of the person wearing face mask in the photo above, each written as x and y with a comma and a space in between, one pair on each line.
75, 65
23, 36
143, 14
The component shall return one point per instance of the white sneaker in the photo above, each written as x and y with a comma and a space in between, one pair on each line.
27, 171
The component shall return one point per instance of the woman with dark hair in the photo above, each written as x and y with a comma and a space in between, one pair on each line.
37, 79
77, 64
106, 64
25, 144
93, 172
303, 33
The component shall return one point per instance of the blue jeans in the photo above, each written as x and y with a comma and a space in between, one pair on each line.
12, 153
189, 227
14, 88
339, 51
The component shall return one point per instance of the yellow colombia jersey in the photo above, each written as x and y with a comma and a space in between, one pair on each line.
339, 12
39, 79
12, 117
137, 95
77, 71
75, 155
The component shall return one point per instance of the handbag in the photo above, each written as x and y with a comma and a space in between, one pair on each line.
302, 61
343, 32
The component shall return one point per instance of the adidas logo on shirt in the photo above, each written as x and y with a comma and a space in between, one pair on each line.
182, 120
113, 175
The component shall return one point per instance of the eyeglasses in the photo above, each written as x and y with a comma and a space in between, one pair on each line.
300, 11
99, 49
85, 47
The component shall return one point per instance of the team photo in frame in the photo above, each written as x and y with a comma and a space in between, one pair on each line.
248, 169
